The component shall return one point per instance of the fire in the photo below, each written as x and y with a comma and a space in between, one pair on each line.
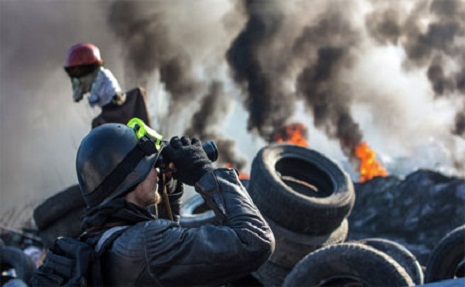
369, 166
242, 175
295, 133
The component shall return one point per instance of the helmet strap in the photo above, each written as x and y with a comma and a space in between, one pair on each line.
119, 174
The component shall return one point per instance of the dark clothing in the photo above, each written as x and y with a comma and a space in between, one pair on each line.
154, 252
134, 105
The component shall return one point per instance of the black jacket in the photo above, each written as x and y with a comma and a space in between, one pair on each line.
160, 252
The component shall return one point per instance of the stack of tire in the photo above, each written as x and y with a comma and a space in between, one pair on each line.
306, 199
447, 260
15, 266
353, 264
382, 262
59, 215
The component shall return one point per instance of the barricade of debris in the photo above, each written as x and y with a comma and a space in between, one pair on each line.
416, 211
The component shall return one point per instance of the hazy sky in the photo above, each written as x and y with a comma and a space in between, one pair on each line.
352, 71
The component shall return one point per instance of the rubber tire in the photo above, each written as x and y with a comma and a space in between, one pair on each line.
270, 274
291, 247
348, 263
15, 258
292, 202
69, 226
447, 257
57, 206
400, 254
195, 213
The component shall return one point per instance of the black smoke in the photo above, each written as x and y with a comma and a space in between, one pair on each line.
213, 107
330, 41
268, 105
143, 28
316, 57
432, 46
143, 31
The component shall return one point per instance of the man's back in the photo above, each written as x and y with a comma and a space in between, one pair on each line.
161, 252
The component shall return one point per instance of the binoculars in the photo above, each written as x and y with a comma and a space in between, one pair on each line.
209, 147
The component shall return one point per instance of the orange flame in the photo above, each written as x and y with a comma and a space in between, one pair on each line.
242, 175
369, 166
294, 133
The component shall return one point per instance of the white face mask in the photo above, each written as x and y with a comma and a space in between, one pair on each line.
81, 86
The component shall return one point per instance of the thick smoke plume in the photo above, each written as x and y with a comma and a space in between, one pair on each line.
366, 70
437, 45
146, 30
143, 29
265, 100
205, 122
320, 84
314, 59
322, 48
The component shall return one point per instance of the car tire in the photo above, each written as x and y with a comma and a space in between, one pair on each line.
400, 254
271, 274
291, 247
67, 226
195, 212
447, 260
345, 264
300, 189
58, 206
15, 258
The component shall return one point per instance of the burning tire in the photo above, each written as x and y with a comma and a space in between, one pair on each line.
14, 259
58, 206
400, 254
447, 260
348, 264
300, 189
195, 212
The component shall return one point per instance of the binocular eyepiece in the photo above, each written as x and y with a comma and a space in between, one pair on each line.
209, 147
211, 150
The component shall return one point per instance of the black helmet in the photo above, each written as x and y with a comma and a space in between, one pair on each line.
110, 162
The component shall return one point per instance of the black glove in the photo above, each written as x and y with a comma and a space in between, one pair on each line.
189, 158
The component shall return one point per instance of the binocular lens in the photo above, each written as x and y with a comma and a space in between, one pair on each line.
211, 150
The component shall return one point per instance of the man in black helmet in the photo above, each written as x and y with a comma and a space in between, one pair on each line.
118, 181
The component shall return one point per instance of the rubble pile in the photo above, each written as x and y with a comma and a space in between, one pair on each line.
416, 211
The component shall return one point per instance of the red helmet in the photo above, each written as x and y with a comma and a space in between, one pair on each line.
83, 54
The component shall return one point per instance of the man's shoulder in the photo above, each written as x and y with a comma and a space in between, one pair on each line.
150, 226
138, 235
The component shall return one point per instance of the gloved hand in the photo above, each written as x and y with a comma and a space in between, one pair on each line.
189, 158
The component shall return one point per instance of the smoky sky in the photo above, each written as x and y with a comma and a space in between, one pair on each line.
433, 46
205, 121
269, 56
142, 28
309, 66
266, 103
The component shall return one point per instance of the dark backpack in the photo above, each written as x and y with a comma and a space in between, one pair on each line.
71, 262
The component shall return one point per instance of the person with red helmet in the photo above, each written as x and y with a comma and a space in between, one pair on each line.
84, 65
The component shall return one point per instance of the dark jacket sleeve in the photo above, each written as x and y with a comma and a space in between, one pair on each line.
211, 255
